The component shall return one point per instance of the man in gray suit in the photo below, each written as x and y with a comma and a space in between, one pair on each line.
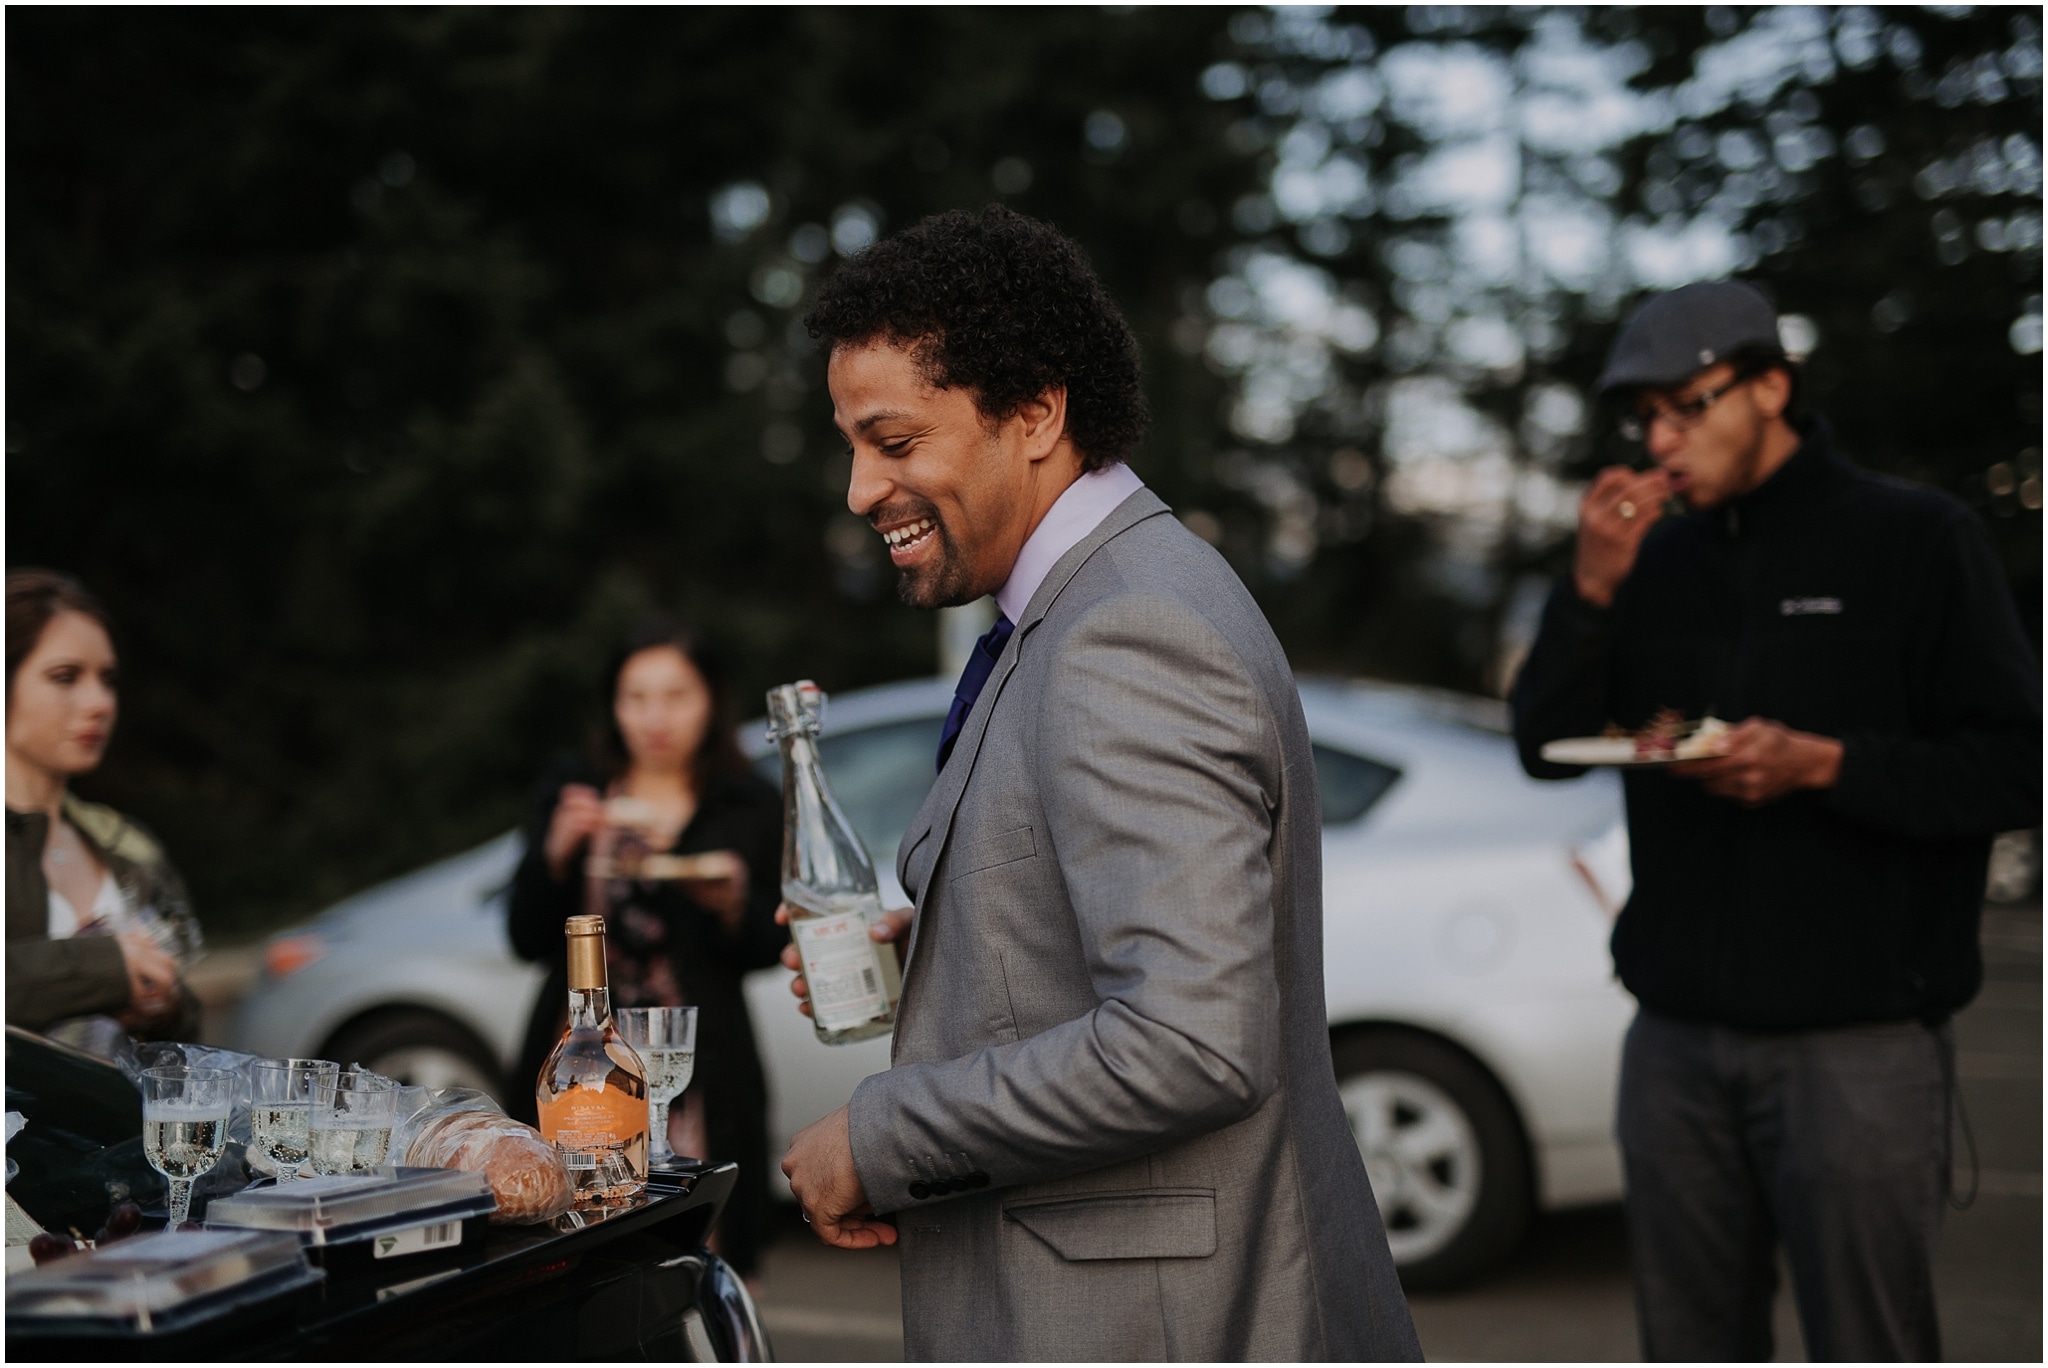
1111, 1129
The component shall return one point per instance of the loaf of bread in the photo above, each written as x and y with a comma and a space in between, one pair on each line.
525, 1173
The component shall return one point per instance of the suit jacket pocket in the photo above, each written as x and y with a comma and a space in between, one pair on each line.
1150, 1223
1009, 847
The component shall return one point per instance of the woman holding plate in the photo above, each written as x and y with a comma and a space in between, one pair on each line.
667, 833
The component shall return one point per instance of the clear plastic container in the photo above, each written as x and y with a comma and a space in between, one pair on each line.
357, 1206
150, 1281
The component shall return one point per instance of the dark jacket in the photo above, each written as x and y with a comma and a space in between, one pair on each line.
51, 980
1836, 602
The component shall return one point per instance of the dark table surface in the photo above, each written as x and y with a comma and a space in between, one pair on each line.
614, 1288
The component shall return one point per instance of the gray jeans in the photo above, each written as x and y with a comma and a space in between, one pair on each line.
1829, 1142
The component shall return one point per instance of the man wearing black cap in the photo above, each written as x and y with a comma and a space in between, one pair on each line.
1804, 915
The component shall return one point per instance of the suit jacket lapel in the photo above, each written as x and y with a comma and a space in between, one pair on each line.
926, 841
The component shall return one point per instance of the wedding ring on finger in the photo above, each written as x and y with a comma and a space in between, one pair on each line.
1627, 510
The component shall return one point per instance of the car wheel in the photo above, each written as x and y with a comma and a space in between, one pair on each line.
423, 1049
1443, 1149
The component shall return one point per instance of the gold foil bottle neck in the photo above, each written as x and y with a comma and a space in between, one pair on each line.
586, 952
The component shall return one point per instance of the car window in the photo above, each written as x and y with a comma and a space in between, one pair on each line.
1351, 784
880, 776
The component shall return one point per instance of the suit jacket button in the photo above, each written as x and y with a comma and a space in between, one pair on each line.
977, 1179
920, 1190
942, 1186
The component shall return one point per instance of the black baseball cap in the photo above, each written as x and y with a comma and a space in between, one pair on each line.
1673, 336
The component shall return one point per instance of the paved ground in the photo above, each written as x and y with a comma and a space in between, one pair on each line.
1566, 1295
830, 1304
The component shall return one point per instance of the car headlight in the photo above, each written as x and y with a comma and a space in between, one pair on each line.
287, 955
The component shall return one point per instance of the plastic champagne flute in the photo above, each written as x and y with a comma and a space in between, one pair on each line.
665, 1038
185, 1126
350, 1128
281, 1093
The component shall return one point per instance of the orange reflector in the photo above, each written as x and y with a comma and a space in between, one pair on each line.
289, 954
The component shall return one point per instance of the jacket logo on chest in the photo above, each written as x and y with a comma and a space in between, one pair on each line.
1808, 607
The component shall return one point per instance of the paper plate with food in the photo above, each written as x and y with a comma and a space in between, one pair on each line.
1665, 739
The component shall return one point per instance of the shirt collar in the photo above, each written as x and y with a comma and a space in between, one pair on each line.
1076, 513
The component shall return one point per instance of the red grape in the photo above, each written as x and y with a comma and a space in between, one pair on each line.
124, 1220
48, 1247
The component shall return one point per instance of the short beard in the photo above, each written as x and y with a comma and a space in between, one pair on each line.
943, 584
1750, 463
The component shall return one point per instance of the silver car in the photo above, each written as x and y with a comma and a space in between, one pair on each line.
1474, 1020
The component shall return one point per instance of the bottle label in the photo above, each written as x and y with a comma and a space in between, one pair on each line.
584, 1118
418, 1238
840, 967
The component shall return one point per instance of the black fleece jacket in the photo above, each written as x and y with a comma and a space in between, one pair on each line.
1841, 603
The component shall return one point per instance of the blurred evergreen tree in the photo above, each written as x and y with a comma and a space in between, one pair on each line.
1460, 203
378, 365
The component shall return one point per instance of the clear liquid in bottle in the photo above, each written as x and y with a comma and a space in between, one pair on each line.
829, 883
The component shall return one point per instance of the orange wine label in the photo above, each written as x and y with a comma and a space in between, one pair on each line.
592, 1118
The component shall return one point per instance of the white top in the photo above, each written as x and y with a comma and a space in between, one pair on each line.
110, 913
1077, 512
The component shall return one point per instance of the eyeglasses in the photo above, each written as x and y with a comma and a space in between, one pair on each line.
1682, 414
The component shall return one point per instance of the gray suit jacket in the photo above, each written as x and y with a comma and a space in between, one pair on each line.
1111, 1130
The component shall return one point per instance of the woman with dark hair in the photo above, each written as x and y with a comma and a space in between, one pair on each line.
96, 916
669, 775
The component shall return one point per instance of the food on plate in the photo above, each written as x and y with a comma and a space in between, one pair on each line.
637, 813
711, 866
1669, 736
1706, 740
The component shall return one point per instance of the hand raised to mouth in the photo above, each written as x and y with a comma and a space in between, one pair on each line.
1616, 514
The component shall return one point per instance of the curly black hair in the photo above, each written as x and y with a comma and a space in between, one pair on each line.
1003, 306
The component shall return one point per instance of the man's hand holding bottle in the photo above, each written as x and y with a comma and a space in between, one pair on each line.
889, 930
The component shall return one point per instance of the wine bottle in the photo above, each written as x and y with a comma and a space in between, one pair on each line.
593, 1089
829, 883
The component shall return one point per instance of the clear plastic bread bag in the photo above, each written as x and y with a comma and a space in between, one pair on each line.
464, 1129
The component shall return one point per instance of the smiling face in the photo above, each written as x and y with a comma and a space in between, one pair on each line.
1739, 440
952, 492
663, 708
60, 703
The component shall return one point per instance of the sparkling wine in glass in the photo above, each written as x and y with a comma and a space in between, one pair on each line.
665, 1038
281, 1109
350, 1127
185, 1126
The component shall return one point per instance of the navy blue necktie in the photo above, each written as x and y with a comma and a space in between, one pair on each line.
980, 666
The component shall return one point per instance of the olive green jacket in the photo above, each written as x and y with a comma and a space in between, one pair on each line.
50, 980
